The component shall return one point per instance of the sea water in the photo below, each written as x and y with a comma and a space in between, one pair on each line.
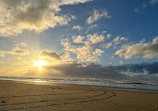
130, 85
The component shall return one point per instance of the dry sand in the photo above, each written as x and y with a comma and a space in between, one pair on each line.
58, 97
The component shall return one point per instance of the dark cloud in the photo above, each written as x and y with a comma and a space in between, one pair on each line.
50, 54
148, 68
124, 72
19, 51
90, 71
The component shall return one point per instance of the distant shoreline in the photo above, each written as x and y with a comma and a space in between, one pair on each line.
85, 85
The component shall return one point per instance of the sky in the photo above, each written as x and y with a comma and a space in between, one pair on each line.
47, 38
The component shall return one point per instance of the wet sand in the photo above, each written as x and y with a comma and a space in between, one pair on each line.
19, 96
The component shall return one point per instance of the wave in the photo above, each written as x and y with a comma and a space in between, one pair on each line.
107, 83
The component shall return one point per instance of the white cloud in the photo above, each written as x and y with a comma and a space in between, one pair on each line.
145, 5
77, 27
108, 36
137, 10
78, 39
67, 46
34, 15
106, 45
2, 53
116, 39
104, 32
153, 2
123, 39
85, 51
98, 52
71, 2
114, 42
21, 45
91, 27
95, 38
19, 49
140, 8
97, 15
66, 57
144, 50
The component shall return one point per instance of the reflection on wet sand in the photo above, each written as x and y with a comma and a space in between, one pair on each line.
31, 97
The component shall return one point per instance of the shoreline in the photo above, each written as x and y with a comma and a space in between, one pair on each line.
68, 97
83, 85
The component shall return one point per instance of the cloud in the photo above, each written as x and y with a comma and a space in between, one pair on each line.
144, 50
153, 2
71, 2
147, 72
21, 45
145, 5
50, 54
98, 52
143, 68
116, 39
123, 39
78, 39
91, 27
97, 15
67, 46
2, 53
86, 51
108, 36
77, 27
33, 15
107, 45
66, 57
121, 62
84, 54
137, 10
95, 38
119, 39
19, 49
92, 71
142, 7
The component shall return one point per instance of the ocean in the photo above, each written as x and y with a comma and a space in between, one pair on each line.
128, 85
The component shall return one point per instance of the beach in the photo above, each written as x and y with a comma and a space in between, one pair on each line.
38, 96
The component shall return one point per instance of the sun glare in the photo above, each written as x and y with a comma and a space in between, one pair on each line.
40, 64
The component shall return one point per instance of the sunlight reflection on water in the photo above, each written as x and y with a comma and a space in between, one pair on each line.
38, 80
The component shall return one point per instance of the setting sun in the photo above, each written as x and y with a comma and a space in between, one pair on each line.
40, 64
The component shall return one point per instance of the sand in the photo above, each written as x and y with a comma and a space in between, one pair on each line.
19, 96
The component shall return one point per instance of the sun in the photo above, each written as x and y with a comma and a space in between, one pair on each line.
39, 64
